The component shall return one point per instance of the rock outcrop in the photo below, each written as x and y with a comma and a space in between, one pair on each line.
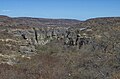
28, 36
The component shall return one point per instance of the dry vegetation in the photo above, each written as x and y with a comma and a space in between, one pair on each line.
100, 59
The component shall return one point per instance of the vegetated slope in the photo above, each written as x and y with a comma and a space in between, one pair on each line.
36, 22
38, 48
104, 21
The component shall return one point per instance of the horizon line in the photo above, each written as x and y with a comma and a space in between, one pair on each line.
59, 18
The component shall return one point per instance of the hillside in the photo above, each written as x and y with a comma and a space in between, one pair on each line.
36, 22
41, 48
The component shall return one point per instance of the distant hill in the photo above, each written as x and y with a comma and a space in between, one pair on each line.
44, 22
35, 22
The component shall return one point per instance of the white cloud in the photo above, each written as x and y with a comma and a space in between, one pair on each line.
6, 10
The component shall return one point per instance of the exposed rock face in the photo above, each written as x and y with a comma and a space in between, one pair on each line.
24, 34
26, 37
59, 49
27, 49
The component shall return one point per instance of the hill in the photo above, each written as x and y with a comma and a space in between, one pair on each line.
41, 48
36, 22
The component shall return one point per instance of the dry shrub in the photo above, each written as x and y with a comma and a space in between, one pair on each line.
116, 76
39, 67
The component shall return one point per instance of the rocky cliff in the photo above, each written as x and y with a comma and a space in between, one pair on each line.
27, 37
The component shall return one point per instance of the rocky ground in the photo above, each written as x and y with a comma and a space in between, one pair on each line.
37, 48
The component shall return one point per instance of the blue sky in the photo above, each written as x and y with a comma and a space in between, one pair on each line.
70, 9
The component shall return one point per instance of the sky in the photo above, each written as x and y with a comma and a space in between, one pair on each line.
67, 9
